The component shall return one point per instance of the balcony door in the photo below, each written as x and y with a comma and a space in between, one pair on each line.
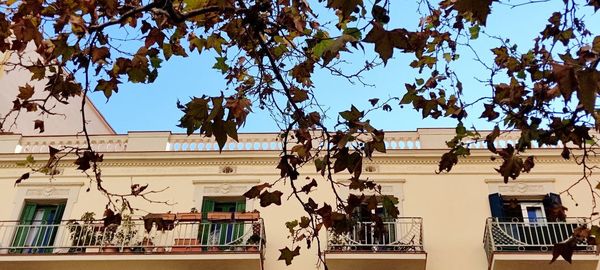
526, 223
367, 232
222, 232
37, 227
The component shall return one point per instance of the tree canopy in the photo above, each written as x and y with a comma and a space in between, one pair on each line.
268, 52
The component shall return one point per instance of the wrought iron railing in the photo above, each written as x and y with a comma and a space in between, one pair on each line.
529, 235
403, 234
131, 237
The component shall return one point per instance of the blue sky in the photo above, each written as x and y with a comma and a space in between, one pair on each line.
152, 106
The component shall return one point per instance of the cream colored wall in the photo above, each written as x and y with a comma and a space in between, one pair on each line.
12, 77
454, 206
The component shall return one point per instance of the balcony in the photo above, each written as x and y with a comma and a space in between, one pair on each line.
398, 245
132, 245
527, 244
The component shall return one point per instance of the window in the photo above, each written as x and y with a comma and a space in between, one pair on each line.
365, 231
528, 222
37, 227
529, 209
222, 232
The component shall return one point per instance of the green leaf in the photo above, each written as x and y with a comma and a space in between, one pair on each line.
447, 57
167, 51
291, 226
596, 44
354, 32
267, 198
37, 72
221, 65
30, 159
287, 255
474, 31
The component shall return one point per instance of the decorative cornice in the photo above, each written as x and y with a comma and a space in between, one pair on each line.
521, 179
191, 159
232, 181
51, 184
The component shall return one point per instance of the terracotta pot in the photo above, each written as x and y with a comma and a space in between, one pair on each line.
168, 217
127, 250
160, 249
109, 249
252, 248
249, 216
162, 216
214, 249
218, 216
188, 217
92, 250
186, 245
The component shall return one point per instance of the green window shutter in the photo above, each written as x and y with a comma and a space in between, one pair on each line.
60, 210
43, 234
240, 206
238, 229
28, 213
208, 205
22, 231
51, 220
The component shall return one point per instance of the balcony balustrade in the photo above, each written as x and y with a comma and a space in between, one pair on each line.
69, 242
400, 235
518, 242
398, 244
82, 236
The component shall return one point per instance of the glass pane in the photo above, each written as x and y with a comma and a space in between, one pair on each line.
534, 213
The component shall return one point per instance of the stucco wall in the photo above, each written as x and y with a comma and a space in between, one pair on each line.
453, 205
12, 77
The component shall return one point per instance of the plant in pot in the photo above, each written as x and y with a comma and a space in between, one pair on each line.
126, 235
237, 245
162, 221
84, 234
253, 242
337, 242
111, 224
213, 241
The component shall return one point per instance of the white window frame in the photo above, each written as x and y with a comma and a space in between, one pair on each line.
540, 221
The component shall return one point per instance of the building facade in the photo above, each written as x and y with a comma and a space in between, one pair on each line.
467, 219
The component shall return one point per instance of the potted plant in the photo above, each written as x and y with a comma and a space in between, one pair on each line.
216, 216
337, 242
213, 241
107, 237
126, 235
84, 235
191, 216
247, 216
253, 242
163, 221
237, 245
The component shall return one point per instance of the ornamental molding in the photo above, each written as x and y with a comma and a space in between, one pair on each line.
48, 192
68, 191
522, 187
254, 161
